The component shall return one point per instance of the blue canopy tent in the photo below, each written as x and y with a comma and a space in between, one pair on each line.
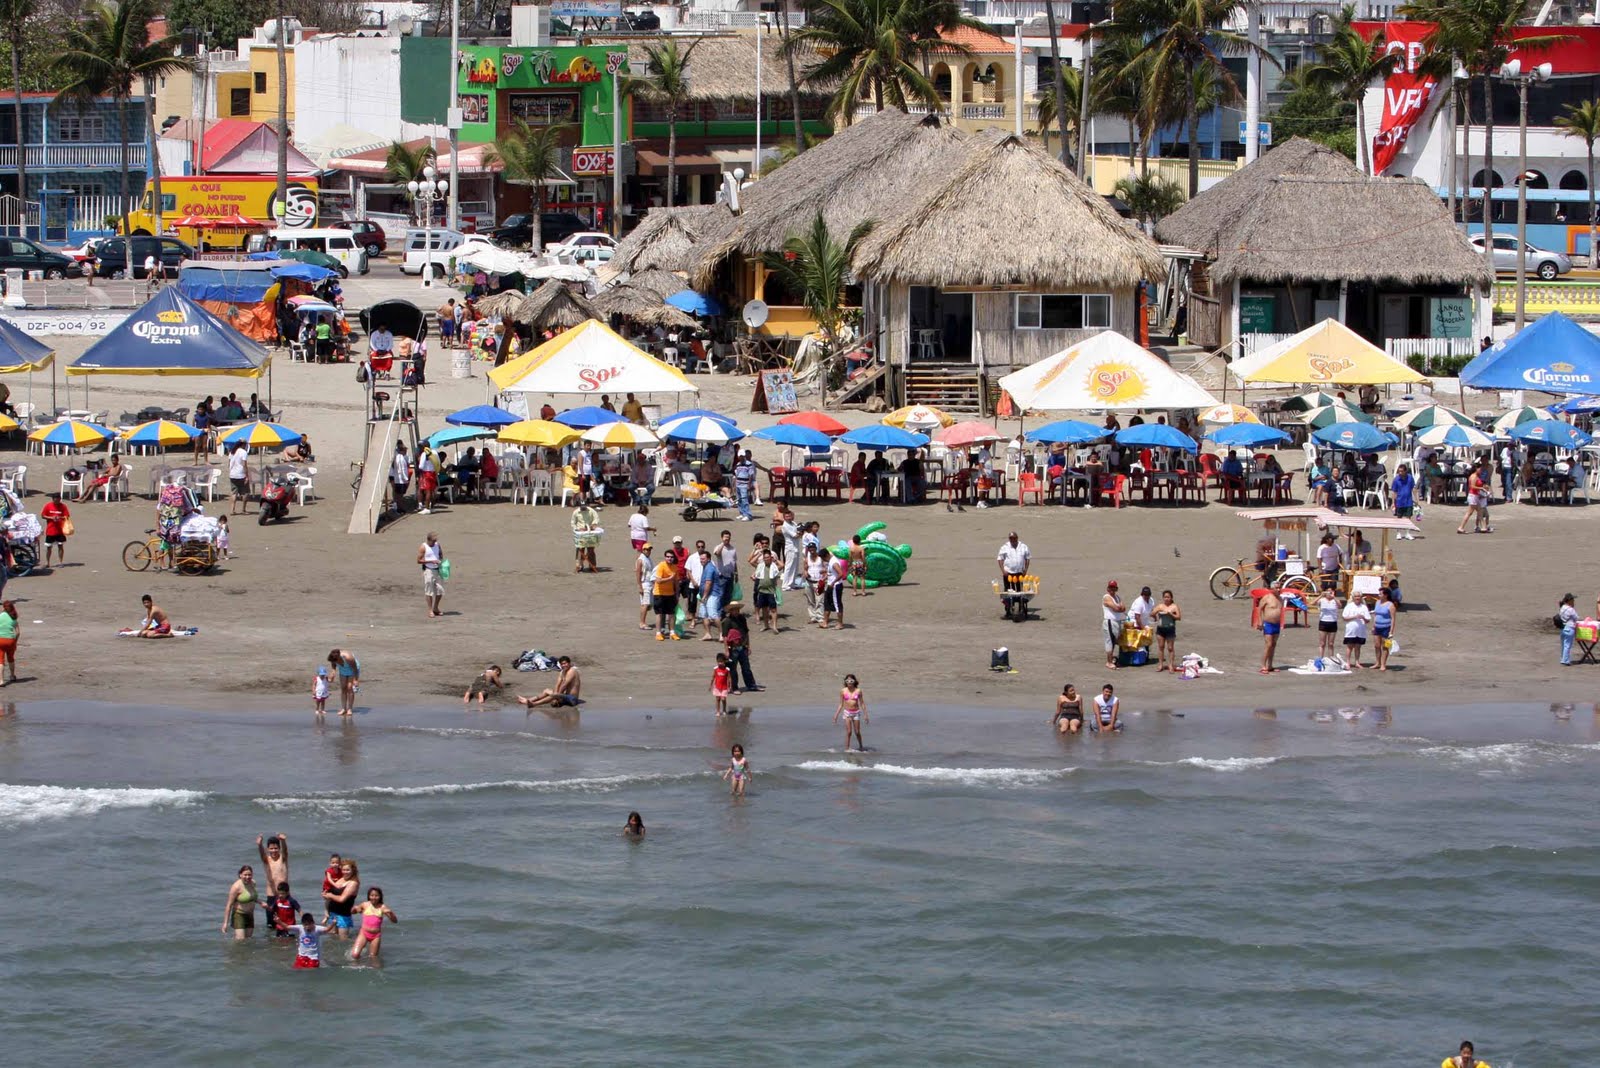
173, 335
242, 284
1554, 354
19, 353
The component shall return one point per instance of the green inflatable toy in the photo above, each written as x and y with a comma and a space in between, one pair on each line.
886, 564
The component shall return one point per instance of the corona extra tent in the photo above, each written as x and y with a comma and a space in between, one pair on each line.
589, 359
1328, 353
1554, 354
1104, 371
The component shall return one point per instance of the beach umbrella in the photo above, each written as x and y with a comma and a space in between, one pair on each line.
1067, 432
315, 307
968, 432
584, 418
707, 412
261, 435
1525, 414
620, 435
1329, 414
1307, 401
1157, 436
74, 432
884, 437
1432, 415
695, 303
310, 256
798, 437
1577, 405
1549, 432
1247, 435
1455, 436
699, 428
826, 424
1228, 414
481, 415
1357, 437
8, 424
538, 432
161, 432
918, 417
455, 435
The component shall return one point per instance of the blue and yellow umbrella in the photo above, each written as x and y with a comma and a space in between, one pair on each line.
73, 432
261, 435
161, 432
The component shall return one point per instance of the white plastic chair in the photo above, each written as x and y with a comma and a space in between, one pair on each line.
304, 485
1378, 494
117, 488
1311, 453
73, 486
208, 483
539, 483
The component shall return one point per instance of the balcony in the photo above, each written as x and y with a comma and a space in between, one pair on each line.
867, 110
983, 111
73, 156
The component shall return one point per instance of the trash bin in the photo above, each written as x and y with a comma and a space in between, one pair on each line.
460, 364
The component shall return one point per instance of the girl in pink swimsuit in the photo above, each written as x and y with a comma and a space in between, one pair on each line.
372, 913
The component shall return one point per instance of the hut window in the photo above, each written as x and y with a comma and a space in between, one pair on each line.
1063, 311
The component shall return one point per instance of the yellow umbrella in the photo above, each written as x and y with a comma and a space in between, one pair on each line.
620, 436
1228, 414
918, 417
540, 433
72, 432
1328, 353
8, 424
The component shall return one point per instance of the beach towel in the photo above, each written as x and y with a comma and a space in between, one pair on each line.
177, 632
1332, 665
1193, 665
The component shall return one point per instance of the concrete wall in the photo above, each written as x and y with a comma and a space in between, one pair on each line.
350, 81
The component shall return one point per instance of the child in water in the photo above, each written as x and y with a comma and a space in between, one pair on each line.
372, 913
319, 690
721, 683
308, 941
738, 772
853, 709
634, 828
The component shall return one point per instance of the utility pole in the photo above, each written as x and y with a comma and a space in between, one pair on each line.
453, 117
283, 112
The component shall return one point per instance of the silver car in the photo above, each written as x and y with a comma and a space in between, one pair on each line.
1547, 265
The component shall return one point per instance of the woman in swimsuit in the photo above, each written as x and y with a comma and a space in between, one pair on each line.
239, 915
1069, 711
634, 828
738, 772
349, 668
372, 912
853, 709
341, 897
1167, 614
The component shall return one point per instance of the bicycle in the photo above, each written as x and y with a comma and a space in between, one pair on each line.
1228, 582
139, 555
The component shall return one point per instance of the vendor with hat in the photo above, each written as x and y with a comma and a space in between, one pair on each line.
1115, 613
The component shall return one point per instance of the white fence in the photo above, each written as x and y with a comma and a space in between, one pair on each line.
1430, 348
1250, 344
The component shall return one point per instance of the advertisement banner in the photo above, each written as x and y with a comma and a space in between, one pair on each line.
592, 162
71, 323
586, 9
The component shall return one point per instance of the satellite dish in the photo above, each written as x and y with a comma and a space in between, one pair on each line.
755, 314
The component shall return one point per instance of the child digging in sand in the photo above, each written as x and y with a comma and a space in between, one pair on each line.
487, 679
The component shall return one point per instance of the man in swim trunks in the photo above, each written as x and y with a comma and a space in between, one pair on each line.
274, 854
156, 622
567, 692
1271, 627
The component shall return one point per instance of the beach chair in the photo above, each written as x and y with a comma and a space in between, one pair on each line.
1029, 482
538, 482
117, 488
71, 487
208, 483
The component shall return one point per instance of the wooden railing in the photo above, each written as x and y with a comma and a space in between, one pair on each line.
73, 155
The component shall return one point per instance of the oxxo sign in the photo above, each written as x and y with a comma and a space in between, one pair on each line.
588, 162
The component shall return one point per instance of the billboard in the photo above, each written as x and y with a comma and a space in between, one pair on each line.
586, 9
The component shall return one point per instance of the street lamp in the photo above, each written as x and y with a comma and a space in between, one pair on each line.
1512, 72
428, 192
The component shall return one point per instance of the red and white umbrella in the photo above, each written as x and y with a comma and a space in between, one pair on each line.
968, 432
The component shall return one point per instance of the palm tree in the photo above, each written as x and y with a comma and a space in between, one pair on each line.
1583, 121
1149, 196
1046, 105
404, 164
667, 81
816, 266
15, 14
1349, 65
1181, 37
1119, 88
531, 157
794, 78
878, 50
107, 54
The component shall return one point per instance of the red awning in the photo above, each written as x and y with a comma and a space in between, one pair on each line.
651, 162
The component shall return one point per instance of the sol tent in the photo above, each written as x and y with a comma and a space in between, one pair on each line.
1328, 353
589, 359
1104, 371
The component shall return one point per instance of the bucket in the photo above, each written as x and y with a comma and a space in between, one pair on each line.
461, 364
1283, 553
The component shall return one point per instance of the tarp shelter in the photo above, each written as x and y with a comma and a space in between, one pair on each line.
589, 359
242, 294
19, 353
1554, 354
1328, 353
1104, 371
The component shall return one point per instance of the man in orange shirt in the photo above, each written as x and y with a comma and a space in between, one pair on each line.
665, 596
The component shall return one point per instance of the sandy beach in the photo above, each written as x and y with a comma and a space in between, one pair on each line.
1476, 625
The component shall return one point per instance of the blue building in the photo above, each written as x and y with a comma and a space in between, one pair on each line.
73, 157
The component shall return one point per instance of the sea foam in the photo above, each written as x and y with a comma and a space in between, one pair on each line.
31, 804
968, 776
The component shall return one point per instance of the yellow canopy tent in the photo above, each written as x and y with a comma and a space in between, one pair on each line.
1329, 353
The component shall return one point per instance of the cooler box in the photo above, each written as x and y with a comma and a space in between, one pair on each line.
1588, 630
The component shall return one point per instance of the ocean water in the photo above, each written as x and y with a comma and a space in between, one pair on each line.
1349, 886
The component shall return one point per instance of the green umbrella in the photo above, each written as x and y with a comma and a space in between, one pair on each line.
1432, 415
1329, 414
1307, 401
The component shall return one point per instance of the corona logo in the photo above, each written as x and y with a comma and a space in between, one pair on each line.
1559, 375
163, 334
580, 70
1115, 383
172, 316
483, 72
1324, 368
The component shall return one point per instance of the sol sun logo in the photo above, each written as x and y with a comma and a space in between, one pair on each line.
592, 378
1115, 383
1323, 368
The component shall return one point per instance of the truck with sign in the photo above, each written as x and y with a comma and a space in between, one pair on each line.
253, 196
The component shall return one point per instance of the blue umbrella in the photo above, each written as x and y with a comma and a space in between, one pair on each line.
706, 412
1550, 432
884, 437
584, 418
455, 435
1067, 432
1157, 436
1247, 435
695, 303
1580, 405
799, 437
482, 415
699, 428
1358, 437
303, 272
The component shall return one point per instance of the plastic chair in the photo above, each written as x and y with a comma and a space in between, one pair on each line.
1378, 494
1029, 482
831, 478
74, 486
777, 479
539, 483
303, 485
1116, 491
117, 488
209, 484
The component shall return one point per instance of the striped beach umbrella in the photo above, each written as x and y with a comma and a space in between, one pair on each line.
620, 436
918, 417
1228, 415
1517, 416
540, 433
261, 435
73, 432
699, 428
161, 432
1455, 436
8, 424
1432, 415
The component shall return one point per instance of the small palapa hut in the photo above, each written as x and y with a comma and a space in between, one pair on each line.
1301, 235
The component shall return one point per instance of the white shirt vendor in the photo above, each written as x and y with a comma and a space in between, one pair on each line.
1014, 558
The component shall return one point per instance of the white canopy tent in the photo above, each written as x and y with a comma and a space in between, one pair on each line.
589, 359
1101, 372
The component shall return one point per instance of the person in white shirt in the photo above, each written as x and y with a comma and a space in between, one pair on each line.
381, 343
430, 557
1013, 558
1328, 623
239, 476
643, 572
639, 528
1113, 613
1356, 618
1139, 611
1330, 557
793, 553
400, 476
816, 568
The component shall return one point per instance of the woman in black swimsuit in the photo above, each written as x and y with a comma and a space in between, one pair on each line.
1069, 711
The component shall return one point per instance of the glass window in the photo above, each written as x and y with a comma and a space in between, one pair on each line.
238, 102
1063, 311
261, 81
81, 128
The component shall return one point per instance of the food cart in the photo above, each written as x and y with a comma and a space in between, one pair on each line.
1305, 524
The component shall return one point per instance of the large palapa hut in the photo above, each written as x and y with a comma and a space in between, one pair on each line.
1301, 235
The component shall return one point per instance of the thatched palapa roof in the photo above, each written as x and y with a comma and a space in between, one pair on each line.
639, 306
551, 306
668, 238
1008, 215
662, 283
1351, 230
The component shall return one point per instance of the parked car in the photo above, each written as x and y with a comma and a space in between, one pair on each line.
516, 231
369, 235
1547, 265
582, 239
590, 256
26, 255
111, 259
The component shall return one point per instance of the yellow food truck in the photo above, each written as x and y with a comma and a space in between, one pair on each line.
253, 196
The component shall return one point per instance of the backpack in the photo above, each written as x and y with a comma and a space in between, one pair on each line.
362, 374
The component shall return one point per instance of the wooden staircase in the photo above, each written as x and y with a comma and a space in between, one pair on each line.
956, 387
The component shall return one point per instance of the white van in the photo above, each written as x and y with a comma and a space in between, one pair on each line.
340, 244
436, 245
